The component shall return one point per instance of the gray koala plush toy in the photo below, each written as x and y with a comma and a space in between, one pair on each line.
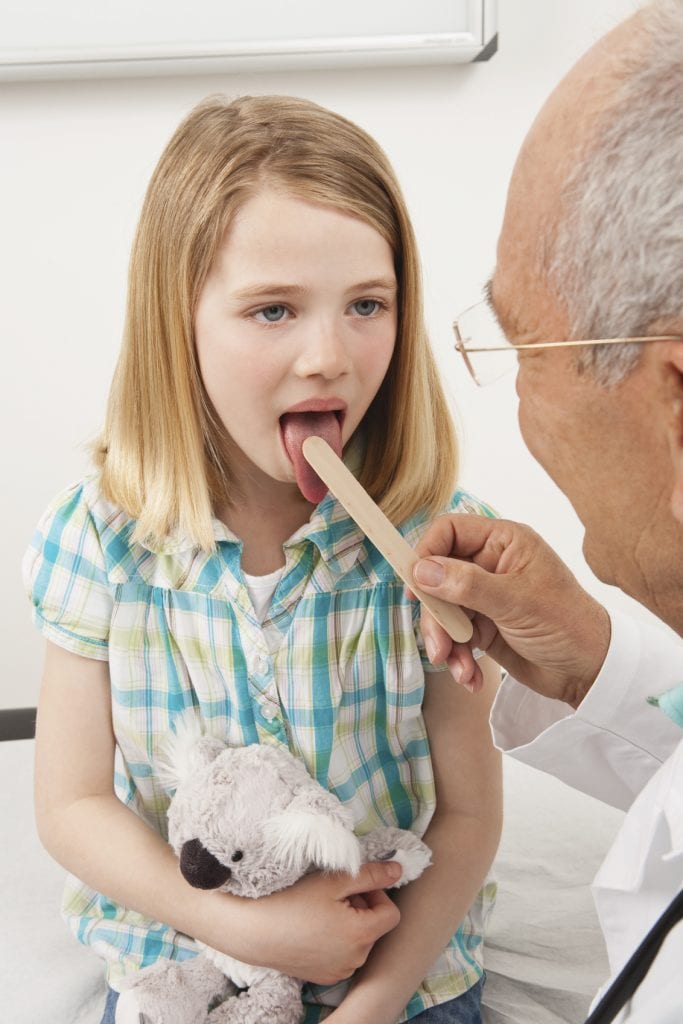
248, 821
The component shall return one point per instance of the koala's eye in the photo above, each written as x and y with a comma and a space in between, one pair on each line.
237, 855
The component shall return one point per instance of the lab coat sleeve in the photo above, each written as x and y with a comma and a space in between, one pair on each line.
615, 741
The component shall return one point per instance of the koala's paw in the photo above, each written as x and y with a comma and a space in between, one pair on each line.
401, 846
134, 1006
277, 998
166, 993
413, 858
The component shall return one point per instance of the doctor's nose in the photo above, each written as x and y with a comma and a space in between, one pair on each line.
324, 353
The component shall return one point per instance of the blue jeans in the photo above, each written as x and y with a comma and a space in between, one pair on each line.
464, 1009
110, 1007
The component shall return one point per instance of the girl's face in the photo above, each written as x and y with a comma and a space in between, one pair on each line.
295, 328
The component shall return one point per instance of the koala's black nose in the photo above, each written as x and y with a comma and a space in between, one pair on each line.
200, 868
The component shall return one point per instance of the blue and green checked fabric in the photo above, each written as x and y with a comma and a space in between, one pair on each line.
335, 672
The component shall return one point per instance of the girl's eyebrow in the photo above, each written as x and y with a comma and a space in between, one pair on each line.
387, 284
265, 290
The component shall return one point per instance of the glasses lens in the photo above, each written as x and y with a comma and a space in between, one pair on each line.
478, 329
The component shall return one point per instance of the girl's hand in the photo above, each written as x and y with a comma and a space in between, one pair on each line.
528, 611
322, 928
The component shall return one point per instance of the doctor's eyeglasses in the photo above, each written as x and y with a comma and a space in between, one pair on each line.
488, 355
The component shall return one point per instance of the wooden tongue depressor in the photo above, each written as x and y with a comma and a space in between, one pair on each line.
381, 532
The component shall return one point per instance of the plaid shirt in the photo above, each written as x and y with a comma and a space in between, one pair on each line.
335, 672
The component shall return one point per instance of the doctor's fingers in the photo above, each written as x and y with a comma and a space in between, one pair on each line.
475, 538
500, 569
459, 657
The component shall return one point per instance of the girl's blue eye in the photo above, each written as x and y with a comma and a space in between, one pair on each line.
366, 307
272, 314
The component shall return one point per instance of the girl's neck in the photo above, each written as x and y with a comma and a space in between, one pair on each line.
263, 520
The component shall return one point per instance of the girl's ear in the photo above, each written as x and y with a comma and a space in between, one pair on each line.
186, 750
303, 839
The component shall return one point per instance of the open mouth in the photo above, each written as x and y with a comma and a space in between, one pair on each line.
301, 423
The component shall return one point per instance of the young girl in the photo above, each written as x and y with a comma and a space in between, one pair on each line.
274, 293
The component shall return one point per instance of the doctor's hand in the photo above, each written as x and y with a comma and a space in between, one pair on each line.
528, 611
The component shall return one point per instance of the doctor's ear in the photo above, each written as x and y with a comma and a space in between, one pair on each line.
673, 353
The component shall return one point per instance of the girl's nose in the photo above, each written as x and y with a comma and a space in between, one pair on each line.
323, 353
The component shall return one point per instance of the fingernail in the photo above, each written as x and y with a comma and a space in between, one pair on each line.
395, 870
429, 572
457, 673
431, 649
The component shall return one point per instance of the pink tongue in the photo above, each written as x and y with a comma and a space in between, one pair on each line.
296, 427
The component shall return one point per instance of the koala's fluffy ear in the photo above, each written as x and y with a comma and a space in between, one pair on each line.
186, 750
303, 836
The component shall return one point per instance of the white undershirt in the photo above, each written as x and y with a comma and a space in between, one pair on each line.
261, 590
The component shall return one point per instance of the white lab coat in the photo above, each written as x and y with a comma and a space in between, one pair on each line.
626, 752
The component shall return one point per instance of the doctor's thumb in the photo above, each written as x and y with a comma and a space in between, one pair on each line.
461, 583
429, 573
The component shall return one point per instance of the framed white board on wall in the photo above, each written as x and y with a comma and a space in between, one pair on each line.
49, 39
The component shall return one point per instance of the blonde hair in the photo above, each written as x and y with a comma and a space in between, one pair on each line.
163, 448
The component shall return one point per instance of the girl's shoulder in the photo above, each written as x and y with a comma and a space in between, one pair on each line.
83, 503
82, 499
80, 521
461, 501
91, 535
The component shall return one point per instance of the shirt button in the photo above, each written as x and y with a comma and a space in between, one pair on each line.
269, 712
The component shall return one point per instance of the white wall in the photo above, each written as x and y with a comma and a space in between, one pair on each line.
76, 159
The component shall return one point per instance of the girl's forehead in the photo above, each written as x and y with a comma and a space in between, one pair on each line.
274, 227
276, 197
377, 209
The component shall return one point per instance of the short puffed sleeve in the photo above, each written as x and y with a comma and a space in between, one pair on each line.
65, 576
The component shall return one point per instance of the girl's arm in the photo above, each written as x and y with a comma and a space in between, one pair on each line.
85, 827
463, 836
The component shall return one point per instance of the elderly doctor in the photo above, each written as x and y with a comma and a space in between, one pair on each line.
592, 248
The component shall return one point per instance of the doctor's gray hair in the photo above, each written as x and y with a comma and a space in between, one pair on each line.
617, 257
